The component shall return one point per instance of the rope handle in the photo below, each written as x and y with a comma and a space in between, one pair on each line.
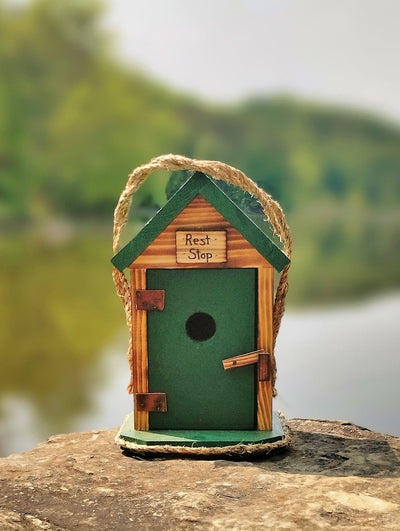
219, 171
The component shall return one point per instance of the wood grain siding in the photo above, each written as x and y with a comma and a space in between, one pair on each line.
265, 342
139, 342
199, 215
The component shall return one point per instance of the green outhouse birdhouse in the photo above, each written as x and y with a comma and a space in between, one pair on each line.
201, 288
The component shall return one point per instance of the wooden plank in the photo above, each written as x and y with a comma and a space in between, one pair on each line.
151, 402
139, 343
150, 299
242, 360
199, 216
200, 247
265, 342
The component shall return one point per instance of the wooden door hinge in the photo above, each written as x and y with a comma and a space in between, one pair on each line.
151, 402
150, 299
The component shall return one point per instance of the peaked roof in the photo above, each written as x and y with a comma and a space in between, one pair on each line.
200, 183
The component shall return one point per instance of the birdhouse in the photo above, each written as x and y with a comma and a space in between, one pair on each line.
201, 286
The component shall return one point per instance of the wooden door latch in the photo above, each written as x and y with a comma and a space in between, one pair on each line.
262, 358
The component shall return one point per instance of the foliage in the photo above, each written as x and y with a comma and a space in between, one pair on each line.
73, 122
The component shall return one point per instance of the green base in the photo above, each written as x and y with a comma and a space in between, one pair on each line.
197, 438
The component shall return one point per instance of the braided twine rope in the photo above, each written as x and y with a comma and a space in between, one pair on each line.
220, 171
266, 449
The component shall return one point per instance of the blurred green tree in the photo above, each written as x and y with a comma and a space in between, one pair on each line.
73, 122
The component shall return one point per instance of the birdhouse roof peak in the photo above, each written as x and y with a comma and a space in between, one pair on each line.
201, 184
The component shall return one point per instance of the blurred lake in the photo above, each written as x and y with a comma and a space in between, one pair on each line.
63, 344
342, 363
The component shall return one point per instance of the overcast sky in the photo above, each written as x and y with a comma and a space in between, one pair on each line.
340, 51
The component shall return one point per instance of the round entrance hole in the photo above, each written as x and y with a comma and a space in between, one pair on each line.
200, 326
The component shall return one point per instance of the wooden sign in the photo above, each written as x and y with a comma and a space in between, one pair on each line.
205, 247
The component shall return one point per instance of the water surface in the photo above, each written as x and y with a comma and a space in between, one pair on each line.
342, 363
333, 363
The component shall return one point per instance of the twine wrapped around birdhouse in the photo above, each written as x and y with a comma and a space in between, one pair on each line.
219, 171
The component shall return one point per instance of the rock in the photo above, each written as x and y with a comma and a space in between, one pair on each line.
335, 475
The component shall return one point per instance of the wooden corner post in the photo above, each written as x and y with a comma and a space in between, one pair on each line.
139, 345
265, 342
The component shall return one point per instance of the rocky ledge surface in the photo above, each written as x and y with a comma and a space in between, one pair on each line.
336, 475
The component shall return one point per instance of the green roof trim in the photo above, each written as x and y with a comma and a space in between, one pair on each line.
200, 183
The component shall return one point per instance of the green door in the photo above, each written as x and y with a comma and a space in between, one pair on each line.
209, 315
